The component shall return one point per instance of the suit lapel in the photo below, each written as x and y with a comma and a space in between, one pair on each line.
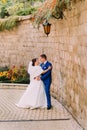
42, 65
45, 66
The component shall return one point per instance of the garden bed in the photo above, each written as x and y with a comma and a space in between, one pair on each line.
14, 75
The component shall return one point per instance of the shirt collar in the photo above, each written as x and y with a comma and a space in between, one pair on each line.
45, 62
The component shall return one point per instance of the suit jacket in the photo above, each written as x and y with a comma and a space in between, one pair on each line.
47, 77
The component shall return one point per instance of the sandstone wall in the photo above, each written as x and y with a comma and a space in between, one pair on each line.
66, 48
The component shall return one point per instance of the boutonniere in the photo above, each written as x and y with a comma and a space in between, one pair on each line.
45, 67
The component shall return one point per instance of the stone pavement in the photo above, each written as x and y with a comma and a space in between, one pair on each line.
13, 118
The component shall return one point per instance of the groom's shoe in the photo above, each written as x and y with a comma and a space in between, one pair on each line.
48, 108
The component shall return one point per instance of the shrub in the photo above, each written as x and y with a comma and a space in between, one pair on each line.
14, 75
26, 11
12, 10
6, 68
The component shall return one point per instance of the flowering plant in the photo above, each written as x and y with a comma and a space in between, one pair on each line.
15, 75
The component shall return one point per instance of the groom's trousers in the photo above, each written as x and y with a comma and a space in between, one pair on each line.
47, 91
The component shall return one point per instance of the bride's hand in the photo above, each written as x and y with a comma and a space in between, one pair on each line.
37, 78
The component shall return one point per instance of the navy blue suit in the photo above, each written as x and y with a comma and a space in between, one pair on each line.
47, 79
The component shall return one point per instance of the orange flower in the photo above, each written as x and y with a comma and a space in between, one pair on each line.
13, 66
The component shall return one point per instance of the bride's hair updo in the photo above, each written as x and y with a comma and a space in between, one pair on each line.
33, 61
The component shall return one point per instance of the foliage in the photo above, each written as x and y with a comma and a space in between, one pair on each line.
10, 7
3, 8
53, 8
4, 76
14, 75
9, 23
12, 10
26, 11
48, 9
6, 68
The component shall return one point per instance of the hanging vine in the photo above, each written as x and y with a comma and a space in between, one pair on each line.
53, 8
9, 23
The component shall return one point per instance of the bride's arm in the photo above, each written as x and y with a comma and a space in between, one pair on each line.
49, 68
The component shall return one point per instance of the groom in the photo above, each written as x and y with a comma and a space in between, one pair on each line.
46, 78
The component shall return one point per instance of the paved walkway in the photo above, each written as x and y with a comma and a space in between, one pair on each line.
13, 118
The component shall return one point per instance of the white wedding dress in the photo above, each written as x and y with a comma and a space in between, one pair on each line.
34, 96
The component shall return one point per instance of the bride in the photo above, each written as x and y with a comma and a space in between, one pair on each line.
34, 96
